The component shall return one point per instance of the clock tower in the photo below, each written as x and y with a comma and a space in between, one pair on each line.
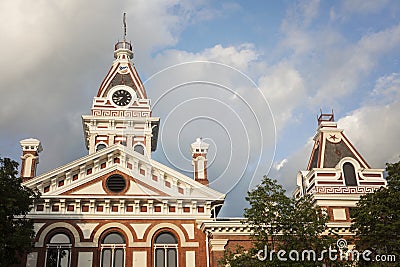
121, 111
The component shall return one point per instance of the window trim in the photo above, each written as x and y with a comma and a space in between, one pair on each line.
354, 170
142, 145
165, 247
113, 247
59, 247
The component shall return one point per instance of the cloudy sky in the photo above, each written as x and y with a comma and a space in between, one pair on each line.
250, 77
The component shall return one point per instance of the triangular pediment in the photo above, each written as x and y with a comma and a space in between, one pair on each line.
144, 178
99, 187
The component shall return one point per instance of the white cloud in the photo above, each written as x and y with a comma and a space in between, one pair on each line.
345, 67
375, 126
387, 88
241, 56
363, 6
284, 89
279, 165
294, 26
296, 161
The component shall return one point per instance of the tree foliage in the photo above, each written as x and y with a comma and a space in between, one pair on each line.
16, 231
281, 222
376, 220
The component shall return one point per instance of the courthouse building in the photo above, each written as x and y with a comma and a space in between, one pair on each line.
118, 207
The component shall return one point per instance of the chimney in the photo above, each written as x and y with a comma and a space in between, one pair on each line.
199, 151
30, 157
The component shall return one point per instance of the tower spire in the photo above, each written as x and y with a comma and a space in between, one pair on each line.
123, 49
124, 22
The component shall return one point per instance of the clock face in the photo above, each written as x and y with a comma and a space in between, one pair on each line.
121, 97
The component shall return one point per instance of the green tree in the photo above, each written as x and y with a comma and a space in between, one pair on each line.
376, 220
16, 231
280, 222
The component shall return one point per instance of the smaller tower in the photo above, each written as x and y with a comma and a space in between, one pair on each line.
337, 175
199, 151
30, 157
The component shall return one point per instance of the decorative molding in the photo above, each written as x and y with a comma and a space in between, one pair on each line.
120, 113
344, 189
218, 244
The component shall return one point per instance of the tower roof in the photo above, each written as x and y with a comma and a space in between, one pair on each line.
123, 71
331, 145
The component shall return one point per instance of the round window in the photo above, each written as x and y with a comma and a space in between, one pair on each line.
116, 183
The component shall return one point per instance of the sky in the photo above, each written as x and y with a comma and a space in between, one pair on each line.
250, 77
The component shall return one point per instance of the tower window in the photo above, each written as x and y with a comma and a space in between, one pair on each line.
349, 174
139, 149
100, 147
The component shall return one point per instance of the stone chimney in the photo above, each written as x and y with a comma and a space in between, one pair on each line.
199, 151
30, 157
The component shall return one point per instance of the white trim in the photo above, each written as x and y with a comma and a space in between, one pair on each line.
45, 232
175, 229
120, 226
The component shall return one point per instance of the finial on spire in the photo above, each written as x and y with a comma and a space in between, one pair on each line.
123, 49
124, 22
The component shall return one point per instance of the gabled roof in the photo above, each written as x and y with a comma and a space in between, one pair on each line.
122, 72
145, 178
330, 146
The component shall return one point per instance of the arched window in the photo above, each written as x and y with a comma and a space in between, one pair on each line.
165, 250
349, 174
139, 149
113, 250
100, 147
58, 251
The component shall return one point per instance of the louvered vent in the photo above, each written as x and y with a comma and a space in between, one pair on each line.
116, 183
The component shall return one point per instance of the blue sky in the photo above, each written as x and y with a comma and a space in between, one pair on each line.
302, 56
